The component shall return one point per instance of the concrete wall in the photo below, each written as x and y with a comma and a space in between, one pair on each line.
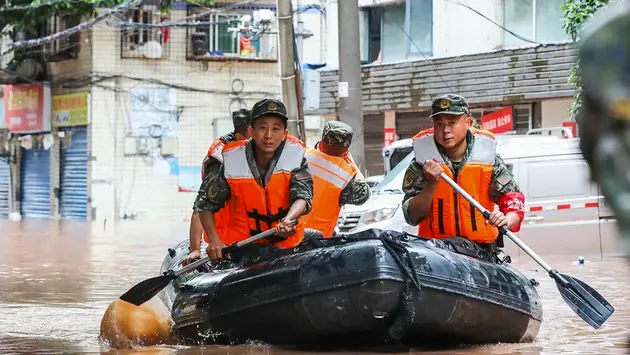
554, 112
143, 185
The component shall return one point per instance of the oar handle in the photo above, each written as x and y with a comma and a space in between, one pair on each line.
504, 229
230, 249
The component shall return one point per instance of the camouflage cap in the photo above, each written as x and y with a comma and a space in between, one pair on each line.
337, 133
449, 104
269, 107
241, 118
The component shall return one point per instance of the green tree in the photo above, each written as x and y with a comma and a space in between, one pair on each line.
576, 13
27, 15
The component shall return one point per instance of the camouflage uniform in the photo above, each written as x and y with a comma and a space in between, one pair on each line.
604, 118
414, 180
357, 192
211, 166
215, 190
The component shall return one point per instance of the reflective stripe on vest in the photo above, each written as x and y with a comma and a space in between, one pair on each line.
254, 209
222, 217
451, 215
215, 151
330, 176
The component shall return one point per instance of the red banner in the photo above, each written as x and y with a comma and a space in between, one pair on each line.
27, 108
389, 135
500, 121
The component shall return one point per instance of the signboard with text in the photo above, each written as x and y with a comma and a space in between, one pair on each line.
389, 135
70, 110
500, 121
27, 108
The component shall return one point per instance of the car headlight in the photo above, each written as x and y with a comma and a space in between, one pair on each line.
380, 214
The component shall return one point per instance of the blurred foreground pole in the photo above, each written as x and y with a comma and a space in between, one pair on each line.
350, 106
287, 63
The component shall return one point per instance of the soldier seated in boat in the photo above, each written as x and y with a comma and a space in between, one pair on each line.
265, 183
468, 156
337, 180
211, 166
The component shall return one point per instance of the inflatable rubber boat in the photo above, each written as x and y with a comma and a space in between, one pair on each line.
366, 288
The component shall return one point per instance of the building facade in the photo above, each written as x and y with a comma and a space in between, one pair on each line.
132, 109
507, 57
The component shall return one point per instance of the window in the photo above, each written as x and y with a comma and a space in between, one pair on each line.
218, 36
535, 20
65, 47
545, 180
145, 42
419, 26
393, 36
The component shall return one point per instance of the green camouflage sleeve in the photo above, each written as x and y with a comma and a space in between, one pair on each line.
502, 180
301, 185
214, 190
356, 193
413, 182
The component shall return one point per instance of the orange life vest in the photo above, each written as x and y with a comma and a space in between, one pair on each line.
253, 208
222, 217
330, 176
451, 215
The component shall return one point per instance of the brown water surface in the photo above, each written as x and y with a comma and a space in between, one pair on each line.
57, 279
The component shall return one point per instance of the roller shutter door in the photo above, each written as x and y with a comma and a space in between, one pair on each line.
73, 194
35, 173
5, 175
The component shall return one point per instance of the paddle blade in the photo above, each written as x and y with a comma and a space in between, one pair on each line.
146, 289
584, 301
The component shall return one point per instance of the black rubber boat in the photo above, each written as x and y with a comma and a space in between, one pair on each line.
364, 288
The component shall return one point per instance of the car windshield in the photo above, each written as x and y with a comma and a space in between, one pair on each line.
392, 183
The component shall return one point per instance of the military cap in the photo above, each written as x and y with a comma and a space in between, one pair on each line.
269, 107
241, 118
337, 133
449, 104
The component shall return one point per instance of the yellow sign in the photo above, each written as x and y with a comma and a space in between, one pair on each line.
70, 110
444, 104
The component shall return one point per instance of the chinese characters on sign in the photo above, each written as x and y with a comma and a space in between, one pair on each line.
389, 135
498, 121
70, 110
27, 108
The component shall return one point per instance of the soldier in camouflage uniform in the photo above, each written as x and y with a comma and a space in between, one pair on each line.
211, 165
262, 154
454, 140
331, 154
604, 118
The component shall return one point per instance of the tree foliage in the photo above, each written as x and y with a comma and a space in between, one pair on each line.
27, 16
576, 13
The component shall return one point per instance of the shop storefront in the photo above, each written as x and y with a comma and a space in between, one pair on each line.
70, 118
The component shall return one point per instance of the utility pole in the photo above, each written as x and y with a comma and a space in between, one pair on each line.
287, 63
350, 106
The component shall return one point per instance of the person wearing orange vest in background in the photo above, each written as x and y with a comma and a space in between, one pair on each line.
265, 183
336, 179
211, 165
469, 157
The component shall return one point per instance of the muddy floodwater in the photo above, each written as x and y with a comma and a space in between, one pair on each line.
57, 279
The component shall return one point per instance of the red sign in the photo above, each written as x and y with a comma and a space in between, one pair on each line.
571, 125
27, 108
498, 121
389, 135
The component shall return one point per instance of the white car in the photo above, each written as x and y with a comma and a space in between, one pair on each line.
383, 209
372, 181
